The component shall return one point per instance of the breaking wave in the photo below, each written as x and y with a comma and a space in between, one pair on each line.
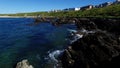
53, 58
77, 34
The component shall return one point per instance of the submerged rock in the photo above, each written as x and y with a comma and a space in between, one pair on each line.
24, 64
93, 50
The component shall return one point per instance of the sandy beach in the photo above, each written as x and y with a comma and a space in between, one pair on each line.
17, 16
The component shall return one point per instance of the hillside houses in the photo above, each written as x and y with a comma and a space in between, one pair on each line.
71, 9
77, 9
88, 7
117, 2
103, 5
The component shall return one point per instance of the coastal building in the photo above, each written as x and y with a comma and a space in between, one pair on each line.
74, 9
88, 7
104, 4
71, 9
77, 9
118, 0
55, 10
65, 9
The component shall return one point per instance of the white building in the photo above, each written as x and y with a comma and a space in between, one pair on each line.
118, 0
71, 9
77, 9
88, 7
55, 10
104, 4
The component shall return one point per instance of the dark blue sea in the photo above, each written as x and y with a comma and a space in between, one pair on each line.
19, 41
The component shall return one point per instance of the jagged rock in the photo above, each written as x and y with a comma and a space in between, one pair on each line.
110, 25
106, 24
94, 50
86, 24
24, 64
98, 48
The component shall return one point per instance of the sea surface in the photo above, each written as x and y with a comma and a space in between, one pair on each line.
37, 43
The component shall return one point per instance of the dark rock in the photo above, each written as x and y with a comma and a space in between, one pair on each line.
85, 23
105, 24
110, 25
94, 50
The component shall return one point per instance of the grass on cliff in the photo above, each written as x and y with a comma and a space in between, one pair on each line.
109, 11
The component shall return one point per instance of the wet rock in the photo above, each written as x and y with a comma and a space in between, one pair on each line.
93, 50
24, 64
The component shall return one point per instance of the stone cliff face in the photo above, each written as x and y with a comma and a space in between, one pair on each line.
98, 49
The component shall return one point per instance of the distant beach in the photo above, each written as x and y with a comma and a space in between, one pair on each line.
17, 16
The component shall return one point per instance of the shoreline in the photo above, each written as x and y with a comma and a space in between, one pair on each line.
59, 17
17, 16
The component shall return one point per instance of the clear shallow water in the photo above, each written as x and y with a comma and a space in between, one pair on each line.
20, 41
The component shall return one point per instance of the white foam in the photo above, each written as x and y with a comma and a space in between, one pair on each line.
54, 55
86, 31
53, 58
83, 30
72, 30
77, 34
76, 37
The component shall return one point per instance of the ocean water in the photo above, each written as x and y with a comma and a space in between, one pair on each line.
37, 43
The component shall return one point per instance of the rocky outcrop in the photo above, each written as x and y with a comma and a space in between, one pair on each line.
97, 44
106, 24
98, 48
94, 50
24, 64
110, 25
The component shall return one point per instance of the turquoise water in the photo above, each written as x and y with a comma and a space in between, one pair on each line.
19, 41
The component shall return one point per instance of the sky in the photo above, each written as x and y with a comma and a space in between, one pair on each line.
20, 6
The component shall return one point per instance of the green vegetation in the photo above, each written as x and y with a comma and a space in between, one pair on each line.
109, 11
